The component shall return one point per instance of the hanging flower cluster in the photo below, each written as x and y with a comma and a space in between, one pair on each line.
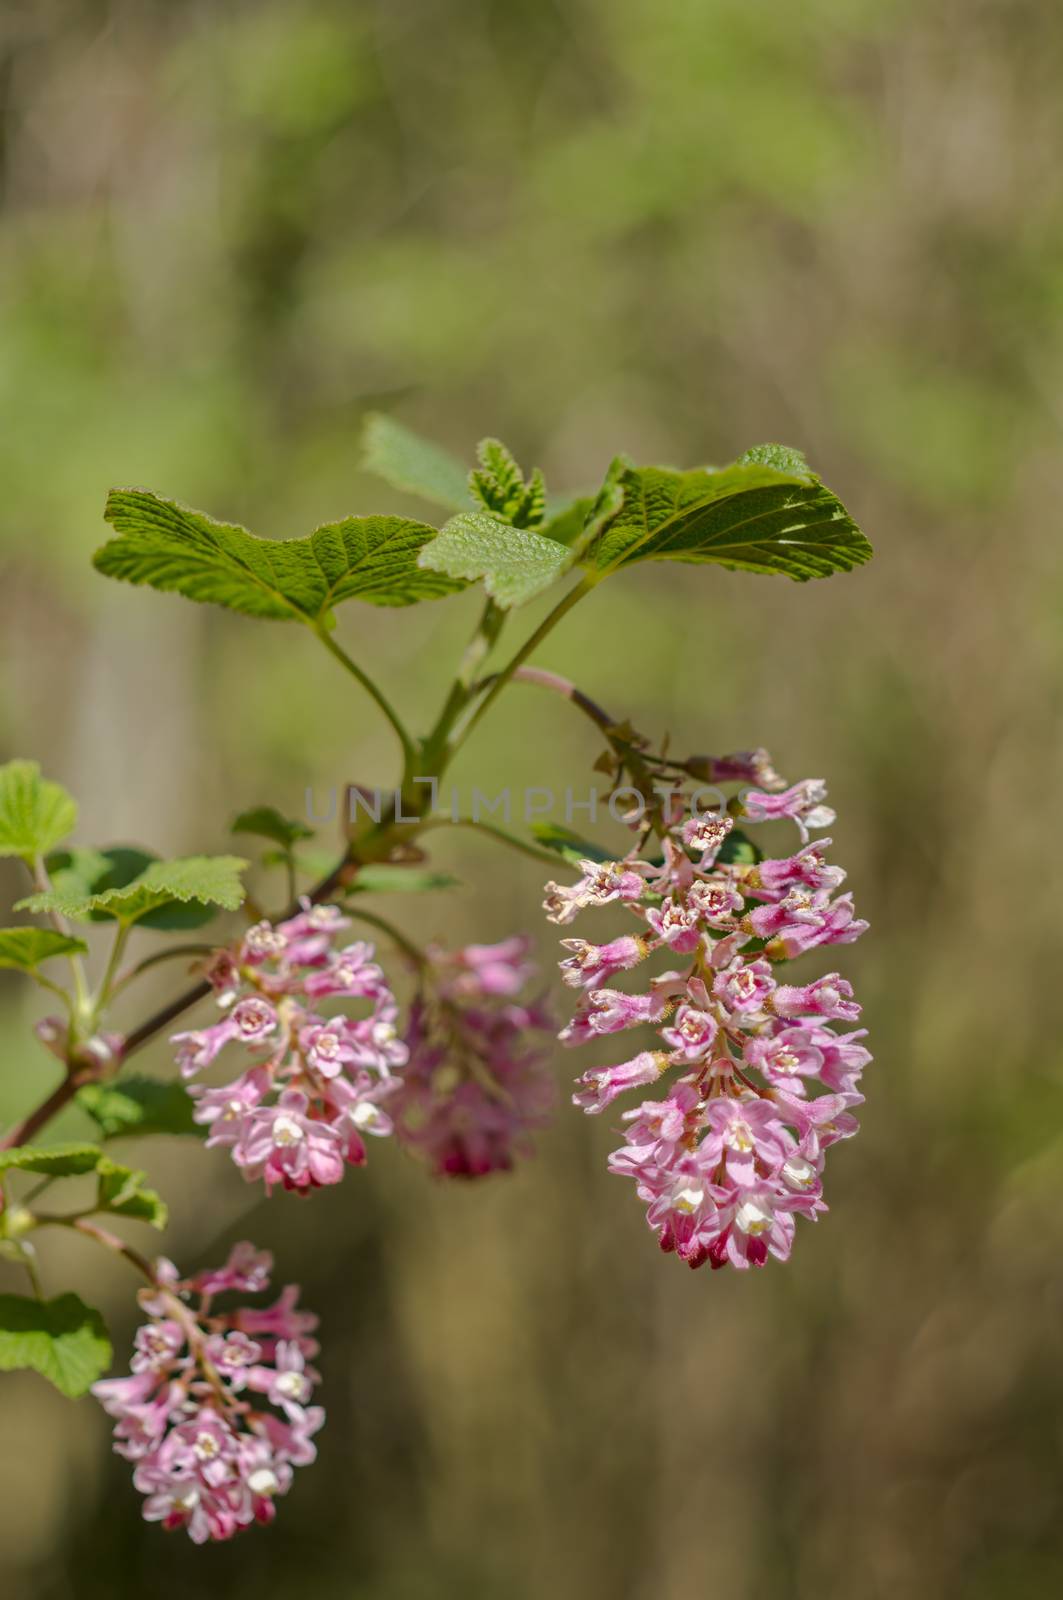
473, 1091
214, 1413
316, 1083
728, 1157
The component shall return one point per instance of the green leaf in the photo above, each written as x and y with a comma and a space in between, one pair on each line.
64, 1340
139, 1106
408, 462
569, 846
122, 1191
34, 812
766, 513
498, 484
740, 849
54, 1161
268, 823
204, 880
26, 948
384, 879
174, 548
515, 563
568, 521
80, 874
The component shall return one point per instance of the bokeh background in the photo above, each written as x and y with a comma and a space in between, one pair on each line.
678, 229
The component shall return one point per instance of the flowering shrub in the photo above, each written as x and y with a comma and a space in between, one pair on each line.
318, 1042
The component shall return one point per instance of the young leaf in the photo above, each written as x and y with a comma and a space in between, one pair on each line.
268, 823
384, 879
139, 1106
767, 513
408, 462
64, 1340
498, 484
174, 548
122, 1192
569, 846
81, 874
26, 948
35, 814
515, 563
204, 880
68, 1160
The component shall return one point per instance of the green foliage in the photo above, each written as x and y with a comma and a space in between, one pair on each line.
406, 461
138, 1106
266, 822
499, 485
64, 1340
26, 948
202, 880
81, 874
69, 1160
174, 548
514, 563
35, 814
568, 845
739, 849
568, 521
381, 878
766, 513
120, 1189
123, 1192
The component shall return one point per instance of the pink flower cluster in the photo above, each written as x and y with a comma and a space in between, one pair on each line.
473, 1091
214, 1413
734, 1151
316, 1082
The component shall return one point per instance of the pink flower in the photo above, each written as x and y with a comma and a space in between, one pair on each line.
803, 804
487, 969
826, 997
282, 1144
728, 1157
297, 1114
591, 965
205, 1460
475, 1088
601, 883
744, 986
692, 1035
602, 1084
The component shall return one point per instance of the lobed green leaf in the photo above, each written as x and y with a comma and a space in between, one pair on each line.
26, 948
383, 878
266, 822
202, 880
406, 461
64, 1340
766, 513
174, 548
139, 1106
569, 846
70, 1160
515, 563
35, 814
122, 1191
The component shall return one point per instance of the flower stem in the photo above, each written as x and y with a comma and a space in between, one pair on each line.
105, 1237
534, 640
493, 831
356, 672
411, 951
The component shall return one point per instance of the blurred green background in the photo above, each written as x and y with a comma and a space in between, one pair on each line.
676, 229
